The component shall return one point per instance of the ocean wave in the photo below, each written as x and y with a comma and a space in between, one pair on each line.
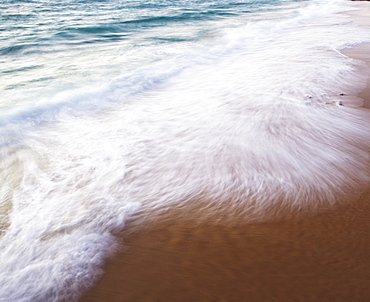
244, 124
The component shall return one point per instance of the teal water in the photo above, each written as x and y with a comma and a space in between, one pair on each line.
49, 46
117, 109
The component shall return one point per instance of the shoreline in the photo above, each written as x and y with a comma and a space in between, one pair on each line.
361, 52
318, 257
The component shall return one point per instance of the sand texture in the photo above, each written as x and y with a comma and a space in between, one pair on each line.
319, 258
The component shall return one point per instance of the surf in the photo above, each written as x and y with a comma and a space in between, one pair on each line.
243, 125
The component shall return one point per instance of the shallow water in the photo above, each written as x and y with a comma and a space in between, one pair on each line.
117, 108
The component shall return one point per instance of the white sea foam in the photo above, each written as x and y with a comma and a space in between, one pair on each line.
247, 121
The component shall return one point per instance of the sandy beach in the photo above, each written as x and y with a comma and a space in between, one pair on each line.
323, 256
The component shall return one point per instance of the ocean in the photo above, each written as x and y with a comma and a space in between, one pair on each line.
112, 110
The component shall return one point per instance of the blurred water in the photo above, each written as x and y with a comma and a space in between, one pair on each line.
111, 108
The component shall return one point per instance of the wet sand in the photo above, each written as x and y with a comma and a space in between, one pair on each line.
319, 257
